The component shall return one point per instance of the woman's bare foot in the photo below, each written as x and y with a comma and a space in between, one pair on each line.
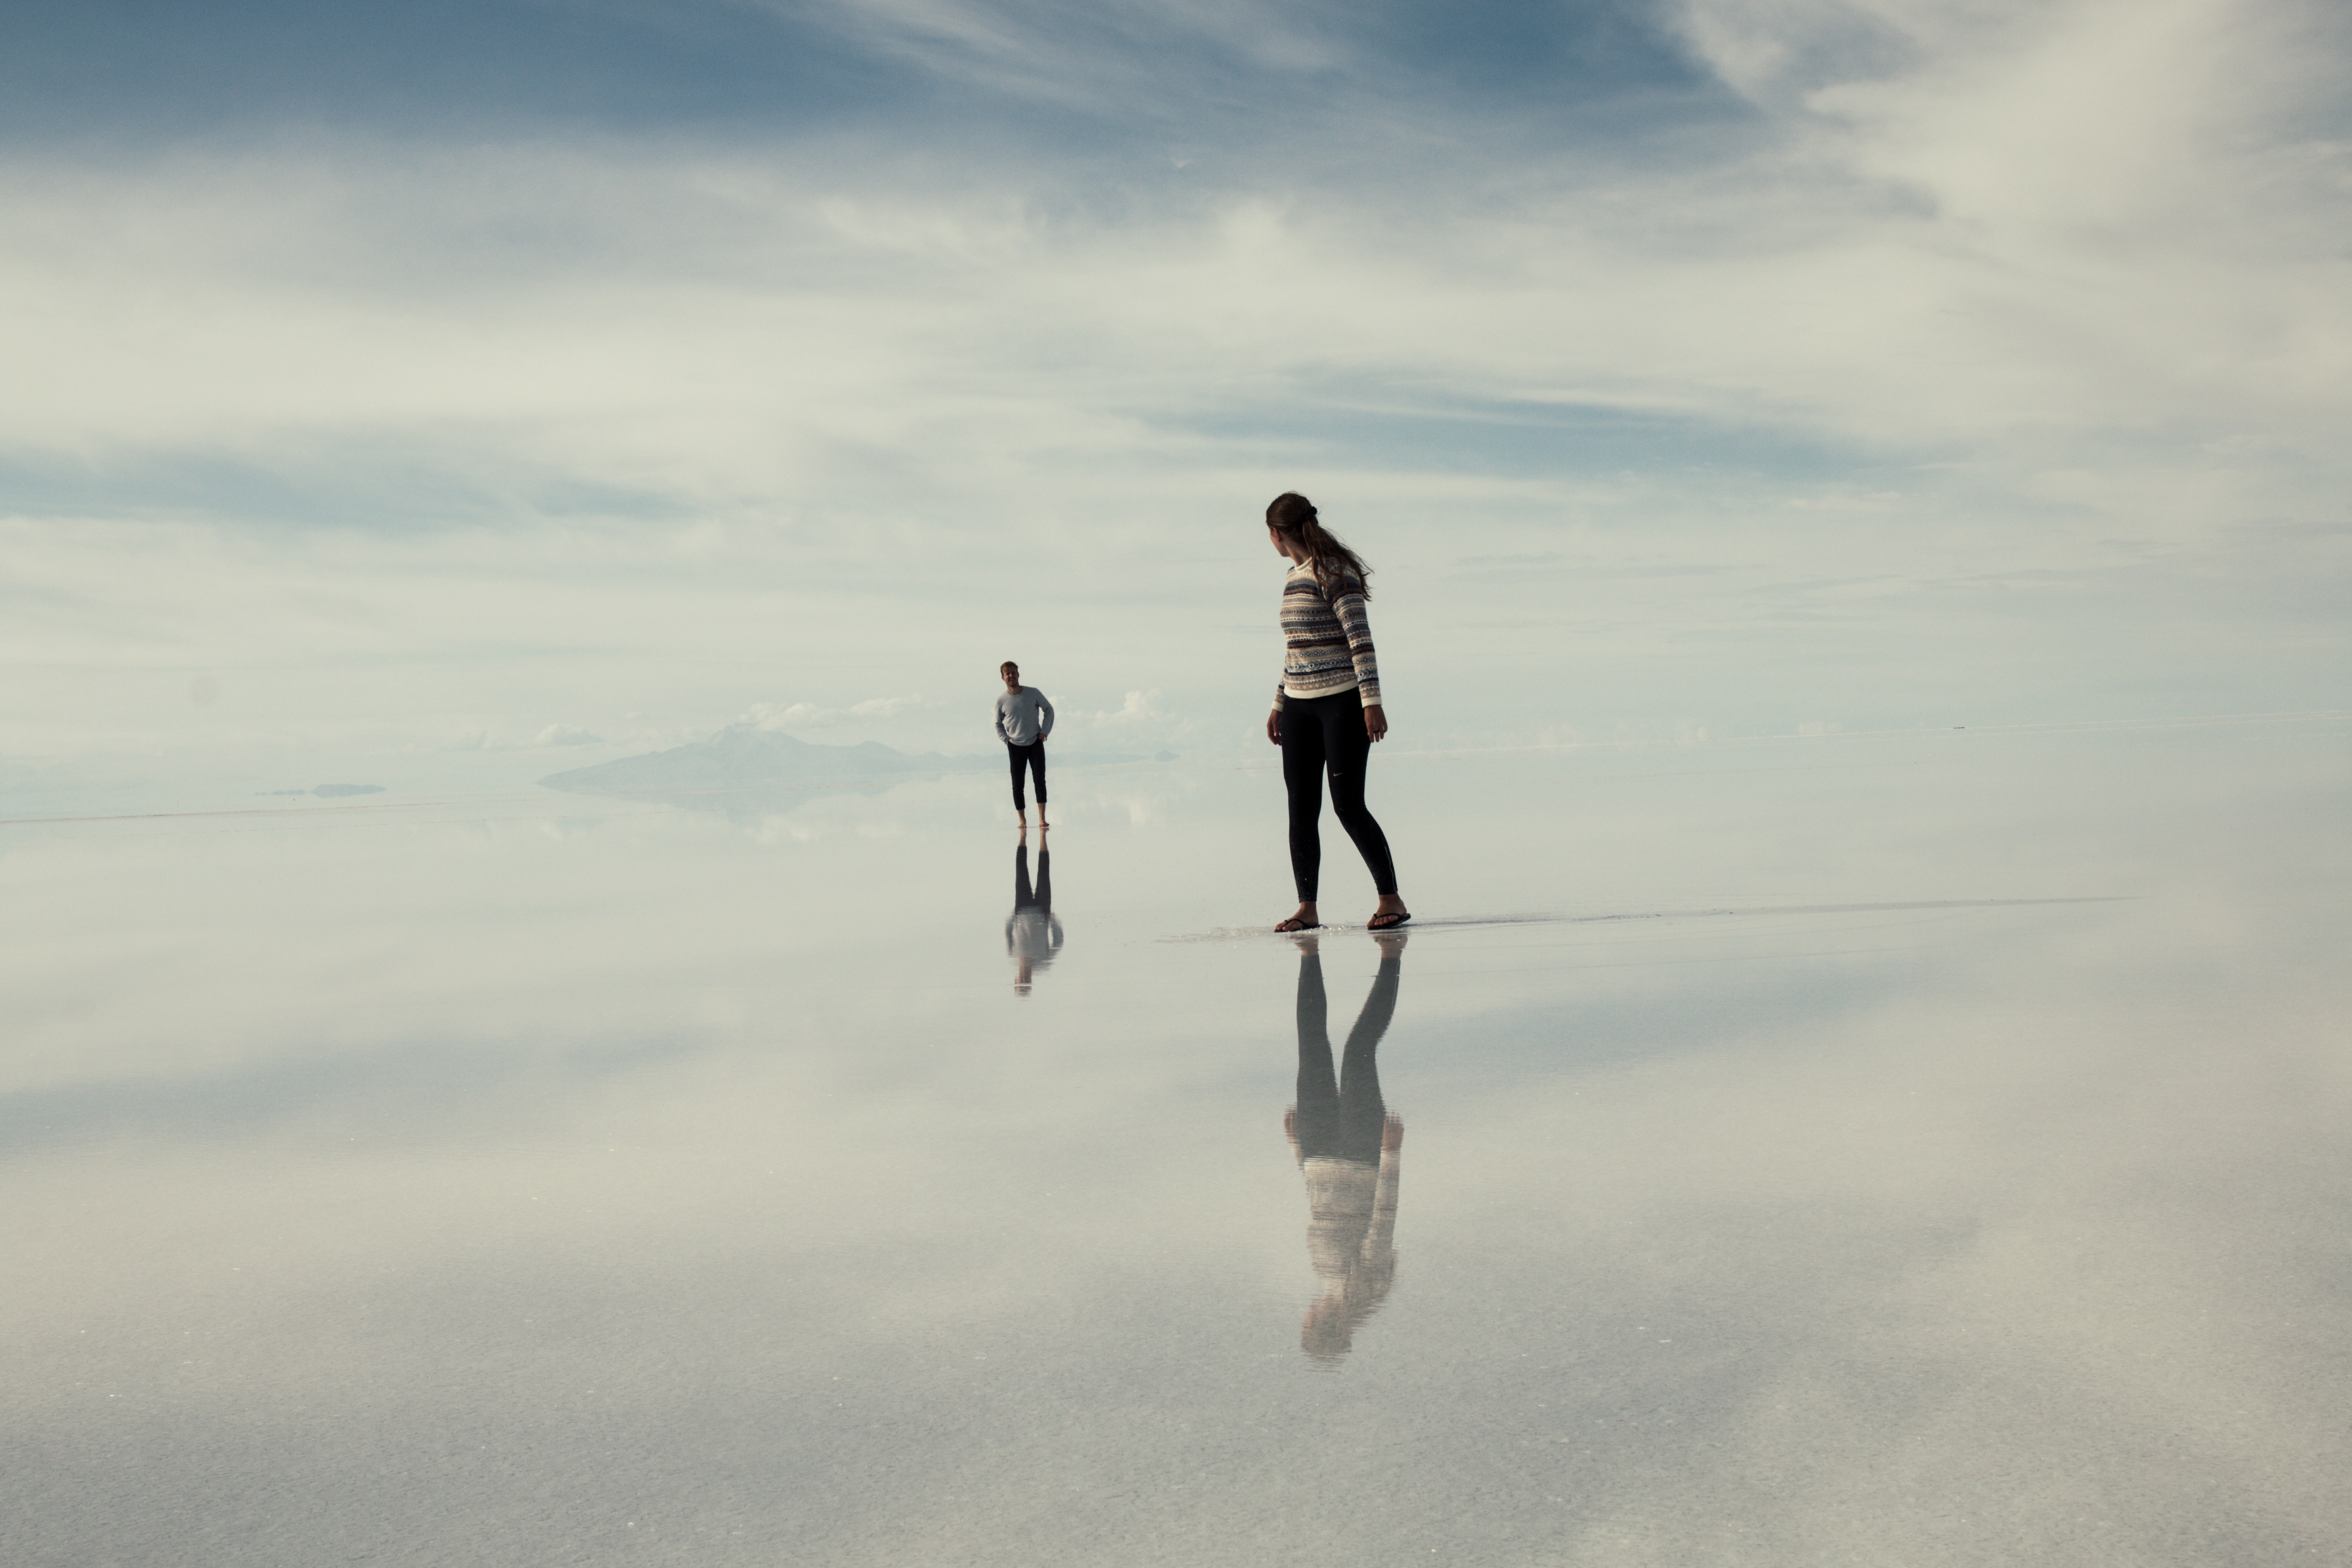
1305, 919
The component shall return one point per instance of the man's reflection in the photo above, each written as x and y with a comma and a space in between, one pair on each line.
1031, 935
1347, 1147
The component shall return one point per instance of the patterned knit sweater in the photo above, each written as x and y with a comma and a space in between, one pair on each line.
1327, 642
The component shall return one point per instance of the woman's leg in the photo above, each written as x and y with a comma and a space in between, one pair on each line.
1302, 776
1363, 1114
1315, 1123
1350, 749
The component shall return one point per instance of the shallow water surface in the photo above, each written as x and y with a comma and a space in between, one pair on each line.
1923, 1148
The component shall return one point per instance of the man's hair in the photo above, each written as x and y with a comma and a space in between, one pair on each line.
1008, 664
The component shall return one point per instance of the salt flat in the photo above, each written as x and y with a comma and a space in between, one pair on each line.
1923, 1148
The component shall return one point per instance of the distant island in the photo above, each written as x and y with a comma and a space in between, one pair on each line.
745, 760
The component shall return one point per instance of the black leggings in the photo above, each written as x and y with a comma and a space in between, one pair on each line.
1033, 755
1342, 1113
1316, 732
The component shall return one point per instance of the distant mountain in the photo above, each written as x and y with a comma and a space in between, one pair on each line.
741, 760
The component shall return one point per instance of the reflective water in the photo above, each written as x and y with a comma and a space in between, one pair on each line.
1924, 1149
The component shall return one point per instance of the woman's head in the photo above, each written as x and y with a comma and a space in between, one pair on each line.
1291, 519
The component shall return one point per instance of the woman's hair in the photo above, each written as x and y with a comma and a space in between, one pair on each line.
1333, 562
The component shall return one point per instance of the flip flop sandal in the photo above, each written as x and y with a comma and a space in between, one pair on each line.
1294, 923
1387, 923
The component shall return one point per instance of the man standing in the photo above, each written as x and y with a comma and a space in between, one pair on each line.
1023, 719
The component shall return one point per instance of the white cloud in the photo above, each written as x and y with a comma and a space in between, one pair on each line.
1140, 706
492, 740
786, 716
816, 716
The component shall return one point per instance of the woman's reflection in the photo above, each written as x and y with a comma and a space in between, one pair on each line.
1347, 1147
1031, 935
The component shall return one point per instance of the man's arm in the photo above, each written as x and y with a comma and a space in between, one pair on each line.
1046, 717
1000, 720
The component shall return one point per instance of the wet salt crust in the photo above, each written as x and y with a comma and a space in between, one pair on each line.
1919, 1149
1465, 922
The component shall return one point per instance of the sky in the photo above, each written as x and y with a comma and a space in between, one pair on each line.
528, 381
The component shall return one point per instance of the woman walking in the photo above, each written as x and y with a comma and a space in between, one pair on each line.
1326, 711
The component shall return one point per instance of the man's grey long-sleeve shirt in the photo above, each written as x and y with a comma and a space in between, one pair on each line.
1024, 717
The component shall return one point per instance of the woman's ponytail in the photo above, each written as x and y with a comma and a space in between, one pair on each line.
1334, 563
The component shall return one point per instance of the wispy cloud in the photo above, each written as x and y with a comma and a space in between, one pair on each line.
1103, 57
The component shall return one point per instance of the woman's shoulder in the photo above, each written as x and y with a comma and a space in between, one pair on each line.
1324, 578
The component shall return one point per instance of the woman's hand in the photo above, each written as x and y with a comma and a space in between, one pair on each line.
1274, 725
1375, 722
